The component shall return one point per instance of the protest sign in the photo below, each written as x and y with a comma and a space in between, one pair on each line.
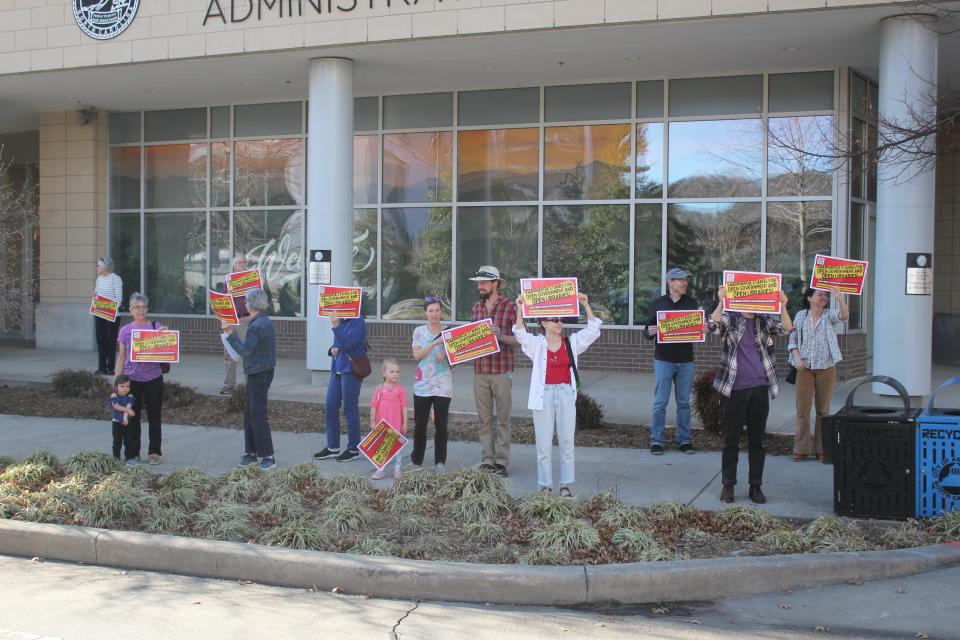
104, 307
242, 281
470, 341
549, 298
681, 326
752, 291
844, 275
155, 345
222, 306
339, 302
382, 444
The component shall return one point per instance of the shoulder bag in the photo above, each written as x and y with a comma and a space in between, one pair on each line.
360, 365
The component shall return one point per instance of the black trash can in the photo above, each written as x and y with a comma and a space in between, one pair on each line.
873, 450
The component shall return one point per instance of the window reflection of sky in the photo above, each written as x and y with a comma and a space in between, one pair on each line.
716, 158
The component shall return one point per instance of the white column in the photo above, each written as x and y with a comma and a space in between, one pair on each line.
905, 197
329, 188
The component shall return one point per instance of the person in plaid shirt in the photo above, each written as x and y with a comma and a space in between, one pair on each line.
493, 374
747, 379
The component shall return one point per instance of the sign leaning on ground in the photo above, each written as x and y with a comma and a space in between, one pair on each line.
104, 19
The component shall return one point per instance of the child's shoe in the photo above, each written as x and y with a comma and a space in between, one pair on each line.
439, 468
117, 460
378, 474
397, 472
131, 462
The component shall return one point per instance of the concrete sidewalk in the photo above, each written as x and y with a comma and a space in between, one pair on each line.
625, 397
799, 490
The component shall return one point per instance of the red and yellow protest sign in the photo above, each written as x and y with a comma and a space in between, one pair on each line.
155, 345
242, 281
470, 341
104, 307
222, 306
752, 291
844, 275
549, 298
681, 326
339, 302
382, 444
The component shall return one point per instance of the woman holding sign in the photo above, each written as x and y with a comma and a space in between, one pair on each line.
814, 352
146, 380
553, 389
433, 387
109, 285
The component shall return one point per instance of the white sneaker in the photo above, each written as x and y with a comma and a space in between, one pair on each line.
439, 468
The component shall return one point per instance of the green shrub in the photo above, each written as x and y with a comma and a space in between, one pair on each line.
28, 475
414, 525
42, 457
620, 516
347, 516
178, 395
92, 462
784, 541
589, 413
567, 535
347, 496
282, 504
299, 478
406, 503
116, 503
642, 546
671, 509
474, 507
187, 478
548, 506
302, 532
242, 484
168, 519
484, 531
472, 480
350, 482
418, 482
706, 403
80, 383
224, 521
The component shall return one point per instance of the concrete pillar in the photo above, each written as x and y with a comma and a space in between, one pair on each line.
329, 189
905, 206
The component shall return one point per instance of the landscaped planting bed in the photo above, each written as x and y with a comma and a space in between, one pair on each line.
464, 516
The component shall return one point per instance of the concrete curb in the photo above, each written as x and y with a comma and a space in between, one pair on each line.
636, 583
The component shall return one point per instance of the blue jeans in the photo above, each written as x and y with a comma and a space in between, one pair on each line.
343, 390
680, 375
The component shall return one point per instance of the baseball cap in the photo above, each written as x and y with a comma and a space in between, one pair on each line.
677, 274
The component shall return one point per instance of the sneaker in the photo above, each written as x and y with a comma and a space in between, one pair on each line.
348, 455
379, 474
326, 454
486, 466
565, 492
397, 472
439, 468
757, 495
726, 494
131, 462
546, 490
686, 447
500, 470
656, 449
247, 459
153, 458
116, 460
226, 391
267, 464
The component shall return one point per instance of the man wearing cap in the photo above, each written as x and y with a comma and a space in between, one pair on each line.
672, 366
493, 374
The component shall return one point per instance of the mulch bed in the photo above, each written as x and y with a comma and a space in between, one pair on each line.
306, 417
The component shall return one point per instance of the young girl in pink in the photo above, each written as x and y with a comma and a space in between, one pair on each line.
390, 403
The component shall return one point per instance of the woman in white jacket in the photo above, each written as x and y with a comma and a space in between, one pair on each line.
553, 389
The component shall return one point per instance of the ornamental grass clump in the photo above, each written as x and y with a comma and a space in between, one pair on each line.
905, 536
949, 525
746, 523
567, 535
299, 478
484, 532
221, 520
549, 507
642, 546
302, 532
376, 547
242, 484
414, 525
29, 476
187, 488
348, 496
138, 476
6, 461
672, 509
472, 481
418, 482
79, 383
620, 516
825, 535
407, 503
69, 491
474, 507
498, 554
176, 395
282, 504
784, 541
42, 457
115, 503
350, 483
95, 463
346, 516
544, 556
167, 519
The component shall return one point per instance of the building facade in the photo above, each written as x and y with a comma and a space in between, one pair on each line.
419, 139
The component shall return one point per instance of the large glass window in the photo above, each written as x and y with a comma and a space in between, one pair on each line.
365, 256
505, 237
221, 260
220, 174
175, 124
175, 246
499, 164
176, 176
418, 167
125, 251
649, 160
416, 260
268, 173
273, 243
716, 158
592, 243
796, 232
797, 156
365, 175
707, 238
647, 254
589, 162
125, 178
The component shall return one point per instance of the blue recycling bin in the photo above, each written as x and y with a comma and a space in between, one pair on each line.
938, 458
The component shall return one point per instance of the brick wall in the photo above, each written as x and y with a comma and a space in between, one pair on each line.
624, 350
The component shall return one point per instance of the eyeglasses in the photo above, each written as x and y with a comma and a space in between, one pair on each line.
139, 307
552, 319
431, 299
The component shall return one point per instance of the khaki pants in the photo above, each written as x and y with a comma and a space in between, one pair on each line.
230, 379
812, 383
490, 389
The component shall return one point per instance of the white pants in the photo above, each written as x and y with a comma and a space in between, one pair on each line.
560, 412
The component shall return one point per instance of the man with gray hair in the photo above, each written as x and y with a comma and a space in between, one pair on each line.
230, 379
672, 367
